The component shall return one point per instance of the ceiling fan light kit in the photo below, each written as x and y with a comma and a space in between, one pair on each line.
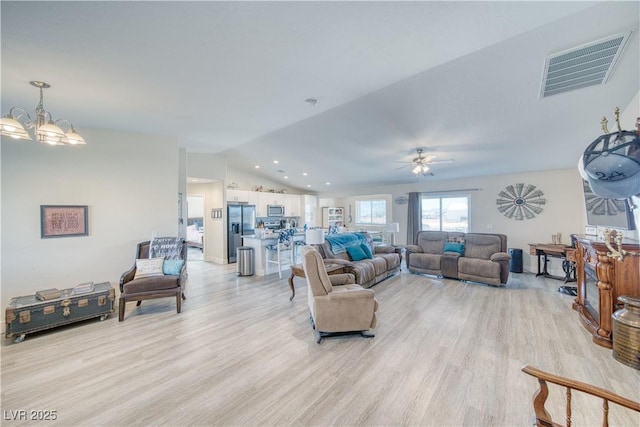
43, 129
420, 164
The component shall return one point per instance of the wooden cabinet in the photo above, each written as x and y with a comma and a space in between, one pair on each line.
601, 280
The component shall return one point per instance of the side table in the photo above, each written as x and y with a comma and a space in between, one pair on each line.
399, 249
298, 271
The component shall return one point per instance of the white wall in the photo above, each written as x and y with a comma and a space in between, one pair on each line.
130, 183
208, 166
564, 211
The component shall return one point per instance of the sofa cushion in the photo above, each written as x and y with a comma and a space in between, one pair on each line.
151, 284
393, 260
425, 261
478, 267
172, 267
149, 267
481, 246
364, 271
431, 242
356, 253
379, 265
454, 247
367, 250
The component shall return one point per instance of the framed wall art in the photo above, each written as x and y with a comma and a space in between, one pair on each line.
64, 221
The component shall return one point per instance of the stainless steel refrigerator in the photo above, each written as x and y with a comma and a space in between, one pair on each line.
241, 221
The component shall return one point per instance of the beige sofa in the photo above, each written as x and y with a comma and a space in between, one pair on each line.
484, 258
368, 272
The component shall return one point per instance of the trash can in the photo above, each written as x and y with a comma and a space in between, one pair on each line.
244, 255
515, 265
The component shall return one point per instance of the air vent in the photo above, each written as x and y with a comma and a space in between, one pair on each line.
587, 65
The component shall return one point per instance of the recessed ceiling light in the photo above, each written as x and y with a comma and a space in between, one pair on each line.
275, 162
286, 177
328, 183
257, 166
304, 173
194, 180
308, 185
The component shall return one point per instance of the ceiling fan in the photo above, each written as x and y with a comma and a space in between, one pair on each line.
420, 164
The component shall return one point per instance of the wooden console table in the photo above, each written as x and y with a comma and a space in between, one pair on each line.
544, 250
601, 280
298, 271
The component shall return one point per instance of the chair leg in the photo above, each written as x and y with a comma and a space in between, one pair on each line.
121, 304
138, 303
179, 302
279, 254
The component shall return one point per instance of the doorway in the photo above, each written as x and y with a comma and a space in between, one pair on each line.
195, 227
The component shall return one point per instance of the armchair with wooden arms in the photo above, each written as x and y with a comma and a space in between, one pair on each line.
338, 306
137, 287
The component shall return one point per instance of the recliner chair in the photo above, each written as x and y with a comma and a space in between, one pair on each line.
337, 310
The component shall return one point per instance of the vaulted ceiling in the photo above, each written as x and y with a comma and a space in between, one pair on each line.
461, 79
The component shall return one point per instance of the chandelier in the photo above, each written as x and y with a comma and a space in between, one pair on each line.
43, 128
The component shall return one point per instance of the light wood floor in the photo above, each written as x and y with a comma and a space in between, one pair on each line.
445, 353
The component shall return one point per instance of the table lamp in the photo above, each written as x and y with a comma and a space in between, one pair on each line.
392, 228
314, 236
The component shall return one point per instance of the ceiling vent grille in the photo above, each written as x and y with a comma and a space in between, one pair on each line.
587, 65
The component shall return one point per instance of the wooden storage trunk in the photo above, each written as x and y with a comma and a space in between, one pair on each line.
28, 314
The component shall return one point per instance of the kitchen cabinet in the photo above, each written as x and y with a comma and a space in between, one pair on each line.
237, 196
309, 209
291, 205
291, 202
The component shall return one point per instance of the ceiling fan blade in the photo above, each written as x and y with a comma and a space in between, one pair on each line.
438, 162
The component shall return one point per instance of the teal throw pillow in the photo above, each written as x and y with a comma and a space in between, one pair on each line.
172, 267
367, 250
356, 253
454, 247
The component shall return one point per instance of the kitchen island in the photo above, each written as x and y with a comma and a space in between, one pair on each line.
259, 245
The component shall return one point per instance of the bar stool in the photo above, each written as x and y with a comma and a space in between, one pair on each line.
297, 245
283, 248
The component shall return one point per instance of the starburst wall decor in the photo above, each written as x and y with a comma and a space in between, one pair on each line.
520, 201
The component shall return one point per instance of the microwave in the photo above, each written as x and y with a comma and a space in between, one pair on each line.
275, 210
